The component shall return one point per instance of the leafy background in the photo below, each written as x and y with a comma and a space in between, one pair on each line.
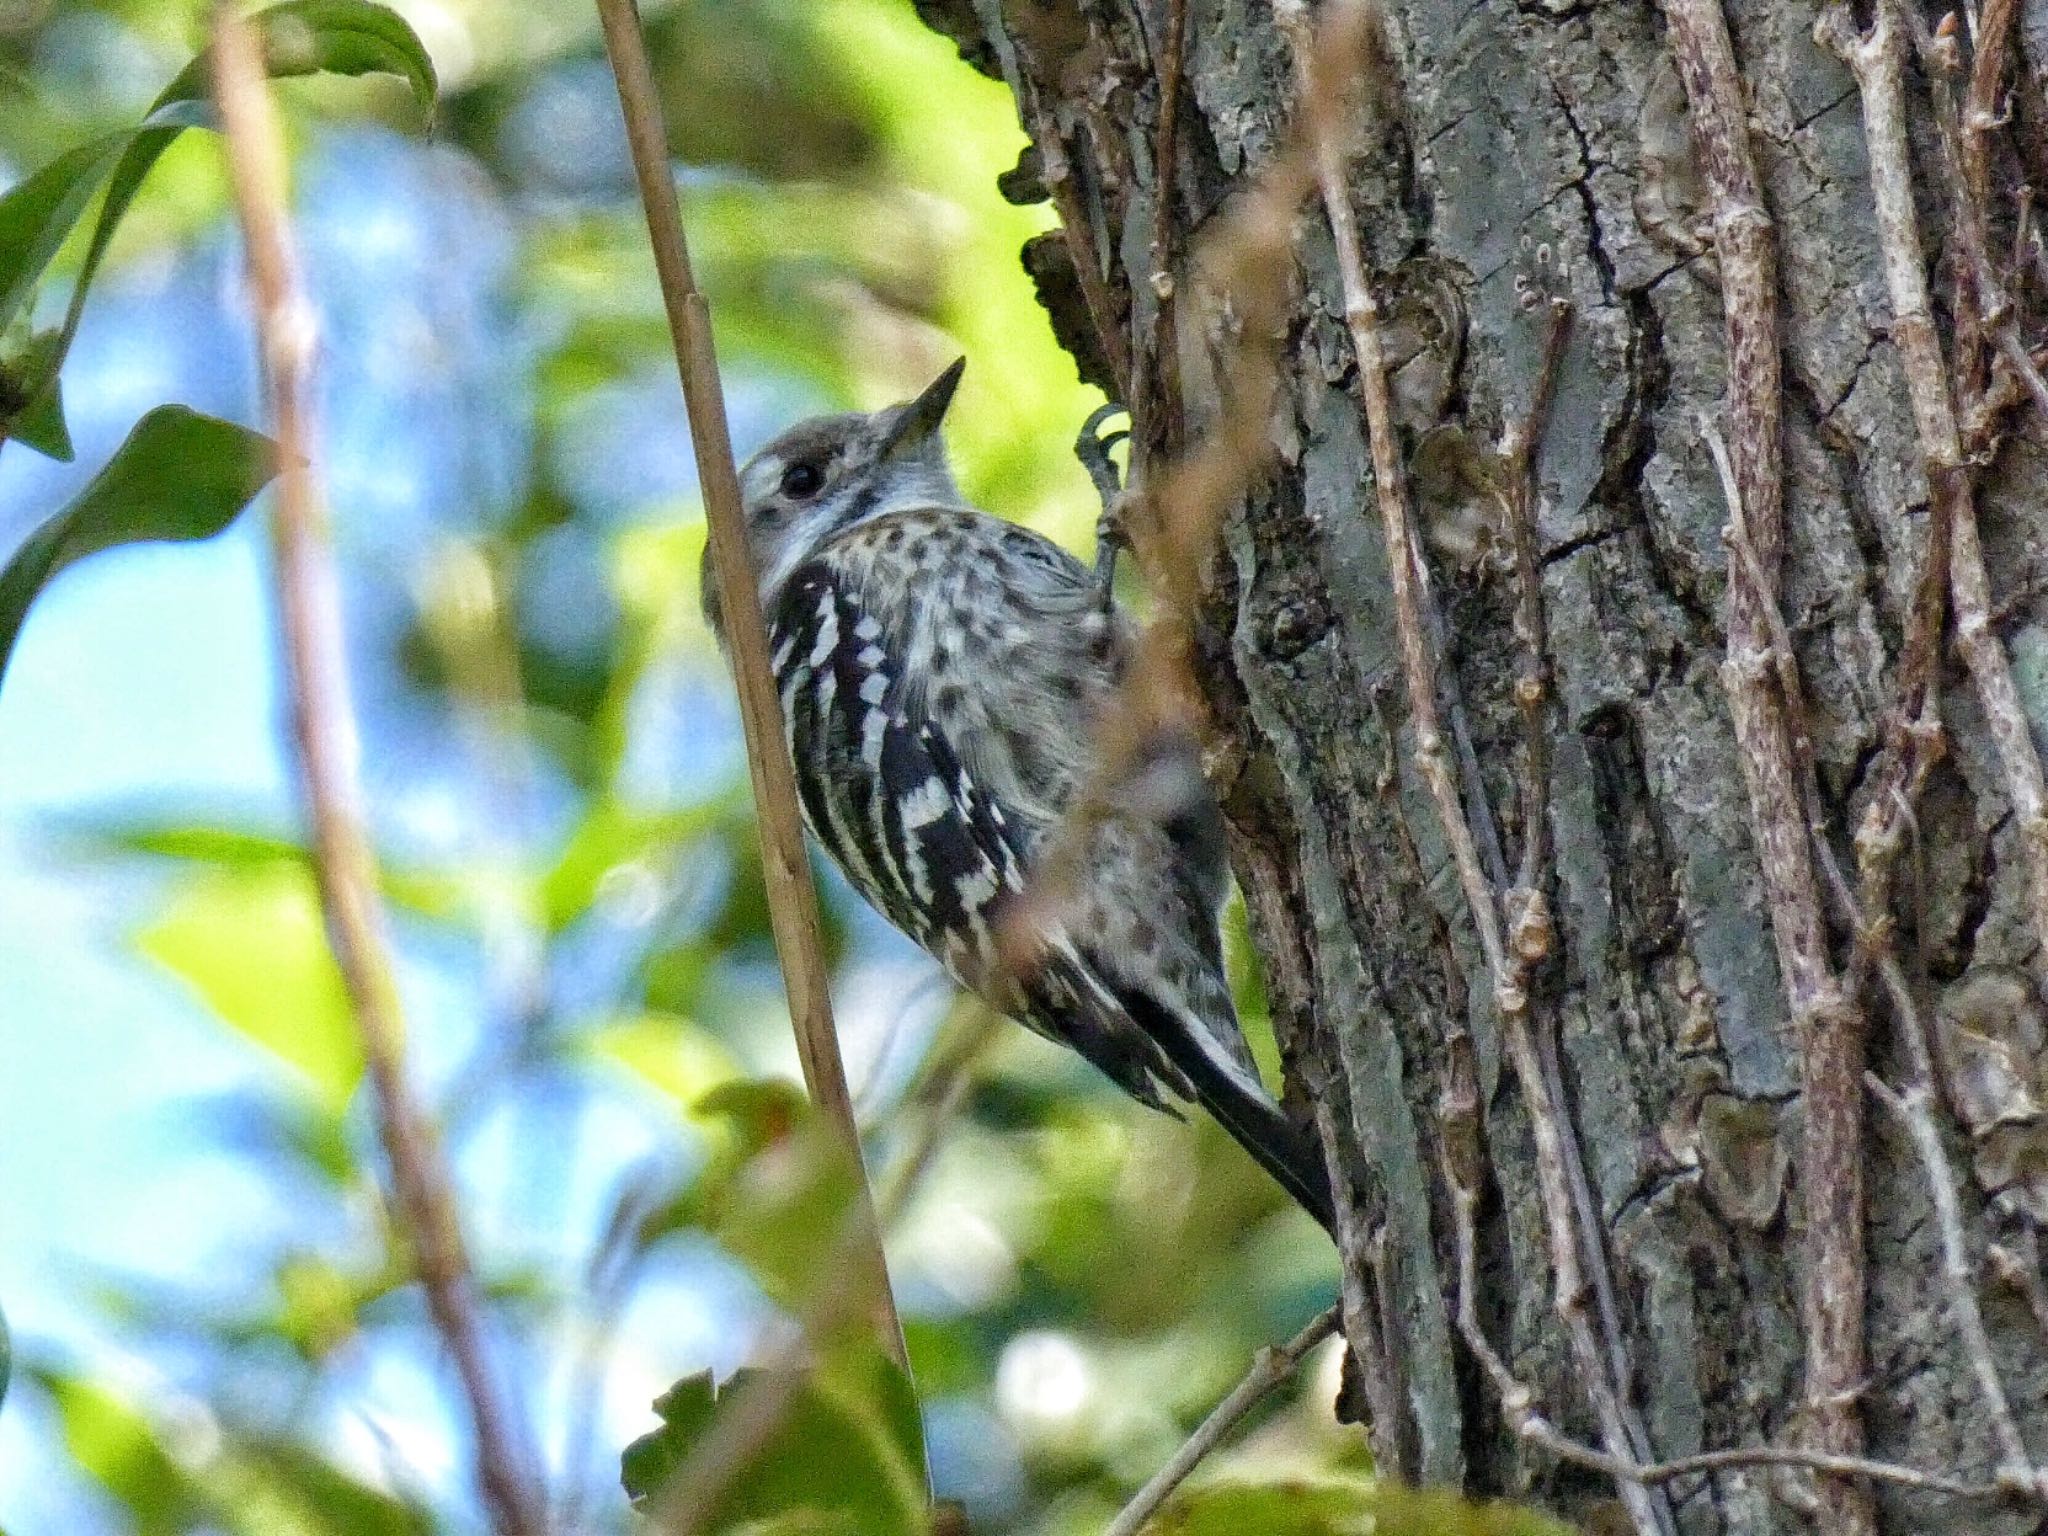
211, 1330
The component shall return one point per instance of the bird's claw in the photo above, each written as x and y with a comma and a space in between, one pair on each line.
1092, 448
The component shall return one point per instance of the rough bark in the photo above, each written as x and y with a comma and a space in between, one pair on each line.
1508, 151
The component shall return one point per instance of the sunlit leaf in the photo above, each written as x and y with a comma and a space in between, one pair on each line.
613, 836
429, 892
847, 1449
179, 475
318, 1304
343, 37
118, 1447
250, 942
677, 1058
207, 1475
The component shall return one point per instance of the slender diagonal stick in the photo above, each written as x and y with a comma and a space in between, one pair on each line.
792, 898
323, 739
1270, 1367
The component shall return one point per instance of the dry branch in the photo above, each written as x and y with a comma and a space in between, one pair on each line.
1172, 522
792, 898
324, 742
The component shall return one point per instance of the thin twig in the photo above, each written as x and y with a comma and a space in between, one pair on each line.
1531, 933
323, 738
792, 899
1981, 300
1269, 1368
1459, 1118
1323, 99
1913, 1107
1518, 450
1173, 521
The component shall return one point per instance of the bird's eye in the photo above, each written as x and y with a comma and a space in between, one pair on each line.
802, 480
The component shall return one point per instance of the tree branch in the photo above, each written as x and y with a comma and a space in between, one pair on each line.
323, 739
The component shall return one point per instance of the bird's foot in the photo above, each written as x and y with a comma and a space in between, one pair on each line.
1092, 448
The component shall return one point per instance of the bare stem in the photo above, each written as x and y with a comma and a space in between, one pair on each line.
1459, 1117
792, 899
323, 739
1269, 1368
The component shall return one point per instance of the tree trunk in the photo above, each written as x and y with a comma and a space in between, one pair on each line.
1507, 153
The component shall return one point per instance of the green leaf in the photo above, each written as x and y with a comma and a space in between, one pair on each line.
344, 37
180, 475
610, 836
427, 892
676, 1057
846, 1455
6, 1356
300, 37
40, 210
119, 1448
249, 1484
250, 942
785, 1207
40, 424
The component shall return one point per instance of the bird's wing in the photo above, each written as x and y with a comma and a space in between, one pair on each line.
894, 803
940, 711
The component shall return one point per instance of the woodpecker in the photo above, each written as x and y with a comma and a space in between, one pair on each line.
942, 672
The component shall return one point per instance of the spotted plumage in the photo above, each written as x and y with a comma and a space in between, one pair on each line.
941, 672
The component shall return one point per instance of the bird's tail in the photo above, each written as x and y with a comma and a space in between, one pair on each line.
1253, 1120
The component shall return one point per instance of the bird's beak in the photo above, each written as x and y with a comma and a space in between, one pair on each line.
918, 420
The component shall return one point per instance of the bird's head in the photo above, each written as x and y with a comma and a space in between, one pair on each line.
828, 474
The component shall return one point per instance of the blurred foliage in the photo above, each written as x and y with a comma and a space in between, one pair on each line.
180, 475
567, 841
858, 1403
